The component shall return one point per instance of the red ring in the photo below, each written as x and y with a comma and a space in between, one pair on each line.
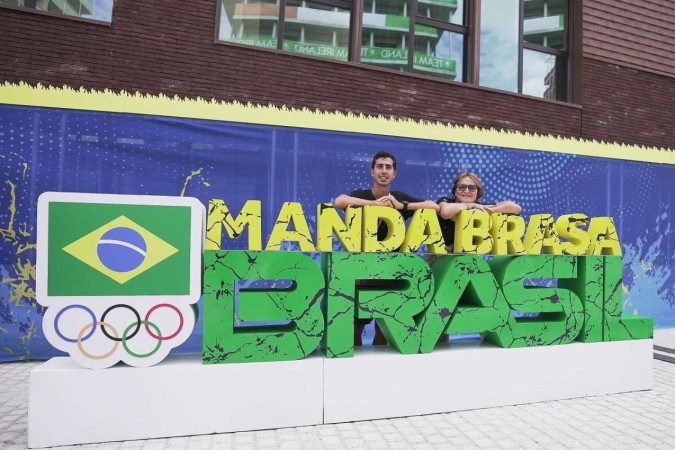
165, 338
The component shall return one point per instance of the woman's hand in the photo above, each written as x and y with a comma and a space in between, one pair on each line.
478, 206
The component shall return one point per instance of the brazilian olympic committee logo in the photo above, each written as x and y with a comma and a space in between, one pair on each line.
118, 274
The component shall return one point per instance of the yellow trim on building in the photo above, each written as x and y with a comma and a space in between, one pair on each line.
161, 105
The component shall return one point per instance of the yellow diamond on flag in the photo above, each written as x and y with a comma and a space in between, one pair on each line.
120, 249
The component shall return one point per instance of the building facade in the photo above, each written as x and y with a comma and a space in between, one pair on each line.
593, 69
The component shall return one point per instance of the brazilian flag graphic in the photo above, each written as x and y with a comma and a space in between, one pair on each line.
102, 249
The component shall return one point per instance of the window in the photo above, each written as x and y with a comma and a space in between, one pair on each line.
440, 38
318, 28
523, 47
513, 45
499, 44
100, 10
435, 33
544, 49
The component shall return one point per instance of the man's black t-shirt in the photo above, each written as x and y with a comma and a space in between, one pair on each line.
367, 194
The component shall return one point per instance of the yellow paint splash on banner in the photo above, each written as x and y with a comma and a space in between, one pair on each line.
193, 174
21, 276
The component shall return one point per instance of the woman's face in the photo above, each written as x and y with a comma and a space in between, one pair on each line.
466, 191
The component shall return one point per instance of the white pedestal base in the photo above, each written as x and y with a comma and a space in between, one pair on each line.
382, 383
180, 396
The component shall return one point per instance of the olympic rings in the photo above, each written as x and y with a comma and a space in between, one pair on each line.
138, 322
111, 332
93, 327
180, 324
79, 338
138, 355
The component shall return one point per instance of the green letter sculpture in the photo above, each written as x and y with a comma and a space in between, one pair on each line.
300, 304
589, 287
619, 327
403, 292
560, 312
467, 299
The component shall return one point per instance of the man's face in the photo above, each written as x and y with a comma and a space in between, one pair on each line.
383, 172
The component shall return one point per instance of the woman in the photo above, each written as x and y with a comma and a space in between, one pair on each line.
467, 190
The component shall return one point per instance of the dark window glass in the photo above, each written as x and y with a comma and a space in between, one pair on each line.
316, 29
439, 53
544, 23
384, 39
86, 9
544, 75
249, 23
499, 44
450, 11
523, 43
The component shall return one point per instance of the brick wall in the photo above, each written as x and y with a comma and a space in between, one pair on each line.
638, 34
157, 46
627, 105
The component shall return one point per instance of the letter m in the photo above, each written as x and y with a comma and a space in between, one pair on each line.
220, 216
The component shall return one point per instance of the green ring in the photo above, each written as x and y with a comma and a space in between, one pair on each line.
138, 355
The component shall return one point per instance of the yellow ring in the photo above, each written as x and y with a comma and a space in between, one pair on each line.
85, 329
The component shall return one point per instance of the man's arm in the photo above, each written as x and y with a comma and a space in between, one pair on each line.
413, 203
344, 200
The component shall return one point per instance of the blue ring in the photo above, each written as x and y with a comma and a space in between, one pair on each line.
58, 315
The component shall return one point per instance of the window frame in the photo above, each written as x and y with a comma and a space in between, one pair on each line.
471, 31
523, 45
344, 4
441, 25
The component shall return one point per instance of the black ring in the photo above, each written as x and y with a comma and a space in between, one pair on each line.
121, 305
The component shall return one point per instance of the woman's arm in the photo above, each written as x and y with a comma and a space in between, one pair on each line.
450, 210
507, 207
426, 204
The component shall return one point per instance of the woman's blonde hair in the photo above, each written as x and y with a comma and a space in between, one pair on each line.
474, 178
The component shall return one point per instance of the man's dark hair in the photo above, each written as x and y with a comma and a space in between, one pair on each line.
382, 154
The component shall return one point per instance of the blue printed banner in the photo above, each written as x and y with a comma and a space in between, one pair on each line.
46, 149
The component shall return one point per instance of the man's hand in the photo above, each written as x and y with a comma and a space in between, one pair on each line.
395, 203
390, 202
384, 201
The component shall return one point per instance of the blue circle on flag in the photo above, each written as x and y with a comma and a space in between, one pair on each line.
121, 249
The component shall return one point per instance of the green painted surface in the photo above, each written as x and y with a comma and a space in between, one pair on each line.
401, 291
560, 311
414, 304
619, 326
300, 304
466, 299
589, 287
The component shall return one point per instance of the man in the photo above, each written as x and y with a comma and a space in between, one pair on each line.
383, 171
